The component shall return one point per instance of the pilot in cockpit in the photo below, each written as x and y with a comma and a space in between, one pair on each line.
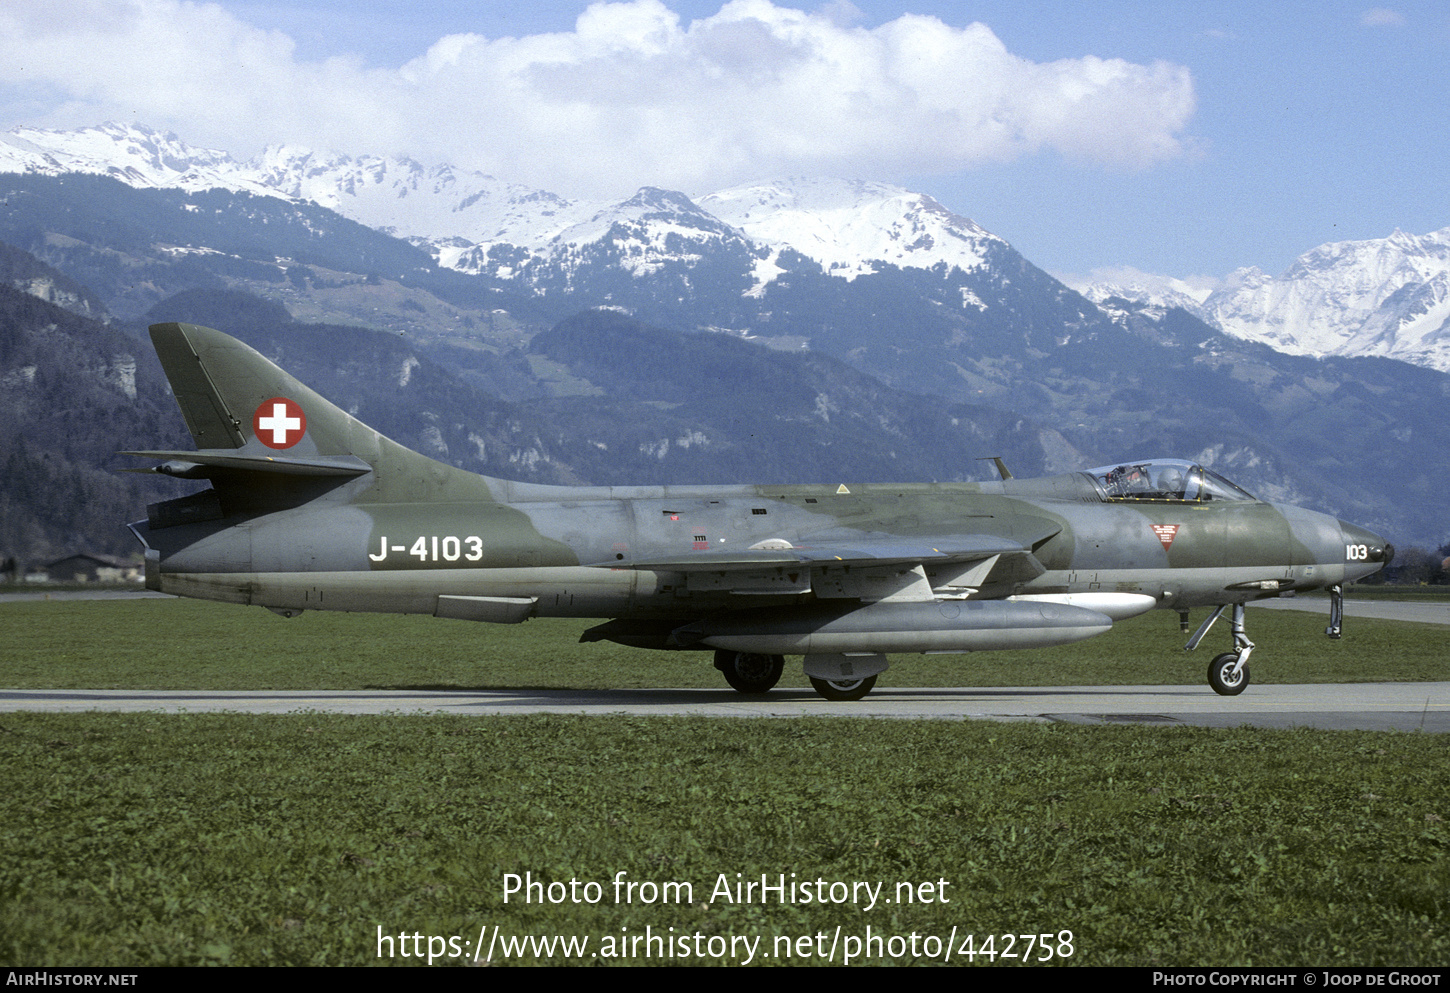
1170, 482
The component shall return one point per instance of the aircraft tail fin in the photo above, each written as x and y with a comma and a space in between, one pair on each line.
257, 426
233, 397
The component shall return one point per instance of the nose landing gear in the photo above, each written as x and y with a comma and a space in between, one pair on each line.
1228, 674
1336, 612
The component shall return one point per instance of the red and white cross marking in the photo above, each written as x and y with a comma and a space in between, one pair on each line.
279, 423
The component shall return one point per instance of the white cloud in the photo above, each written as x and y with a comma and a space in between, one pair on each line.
1382, 17
1197, 288
631, 96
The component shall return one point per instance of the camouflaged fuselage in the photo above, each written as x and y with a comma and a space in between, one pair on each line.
309, 509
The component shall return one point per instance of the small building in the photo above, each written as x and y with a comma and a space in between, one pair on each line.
84, 568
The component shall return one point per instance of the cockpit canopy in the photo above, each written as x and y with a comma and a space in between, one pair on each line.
1173, 480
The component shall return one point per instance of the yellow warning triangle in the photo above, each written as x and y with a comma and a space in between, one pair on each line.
842, 489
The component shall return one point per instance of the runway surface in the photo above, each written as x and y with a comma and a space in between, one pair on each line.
1353, 706
1435, 612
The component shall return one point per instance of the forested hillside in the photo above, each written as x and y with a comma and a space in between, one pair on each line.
76, 392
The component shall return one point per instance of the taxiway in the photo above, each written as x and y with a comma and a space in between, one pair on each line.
1346, 706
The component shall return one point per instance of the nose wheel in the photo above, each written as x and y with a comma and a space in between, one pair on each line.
1228, 674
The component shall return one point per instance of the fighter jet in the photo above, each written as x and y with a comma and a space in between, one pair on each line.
310, 509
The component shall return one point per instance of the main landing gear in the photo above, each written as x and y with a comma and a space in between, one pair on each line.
752, 673
749, 672
1228, 673
841, 690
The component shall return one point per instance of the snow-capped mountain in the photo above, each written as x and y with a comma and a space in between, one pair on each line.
655, 233
1388, 297
463, 216
847, 226
396, 195
410, 200
136, 156
1146, 293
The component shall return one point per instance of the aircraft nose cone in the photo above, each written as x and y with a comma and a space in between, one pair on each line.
1364, 546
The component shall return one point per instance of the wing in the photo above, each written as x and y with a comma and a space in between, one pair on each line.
865, 566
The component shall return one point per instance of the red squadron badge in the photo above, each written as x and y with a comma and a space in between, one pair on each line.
279, 423
1166, 533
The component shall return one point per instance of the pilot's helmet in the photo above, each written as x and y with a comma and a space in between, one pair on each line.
1170, 480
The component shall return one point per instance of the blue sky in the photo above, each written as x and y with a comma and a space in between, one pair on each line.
1185, 139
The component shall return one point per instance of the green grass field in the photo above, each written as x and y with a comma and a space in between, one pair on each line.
147, 839
233, 839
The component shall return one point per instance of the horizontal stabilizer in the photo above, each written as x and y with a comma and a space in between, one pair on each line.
182, 463
265, 439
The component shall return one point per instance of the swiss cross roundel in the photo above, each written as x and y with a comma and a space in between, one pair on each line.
279, 423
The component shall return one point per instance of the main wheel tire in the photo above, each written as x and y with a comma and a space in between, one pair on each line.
1222, 677
749, 672
843, 689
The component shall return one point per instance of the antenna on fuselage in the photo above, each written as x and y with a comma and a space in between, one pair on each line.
1002, 469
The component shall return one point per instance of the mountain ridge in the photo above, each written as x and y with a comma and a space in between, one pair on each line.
1101, 383
1386, 297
